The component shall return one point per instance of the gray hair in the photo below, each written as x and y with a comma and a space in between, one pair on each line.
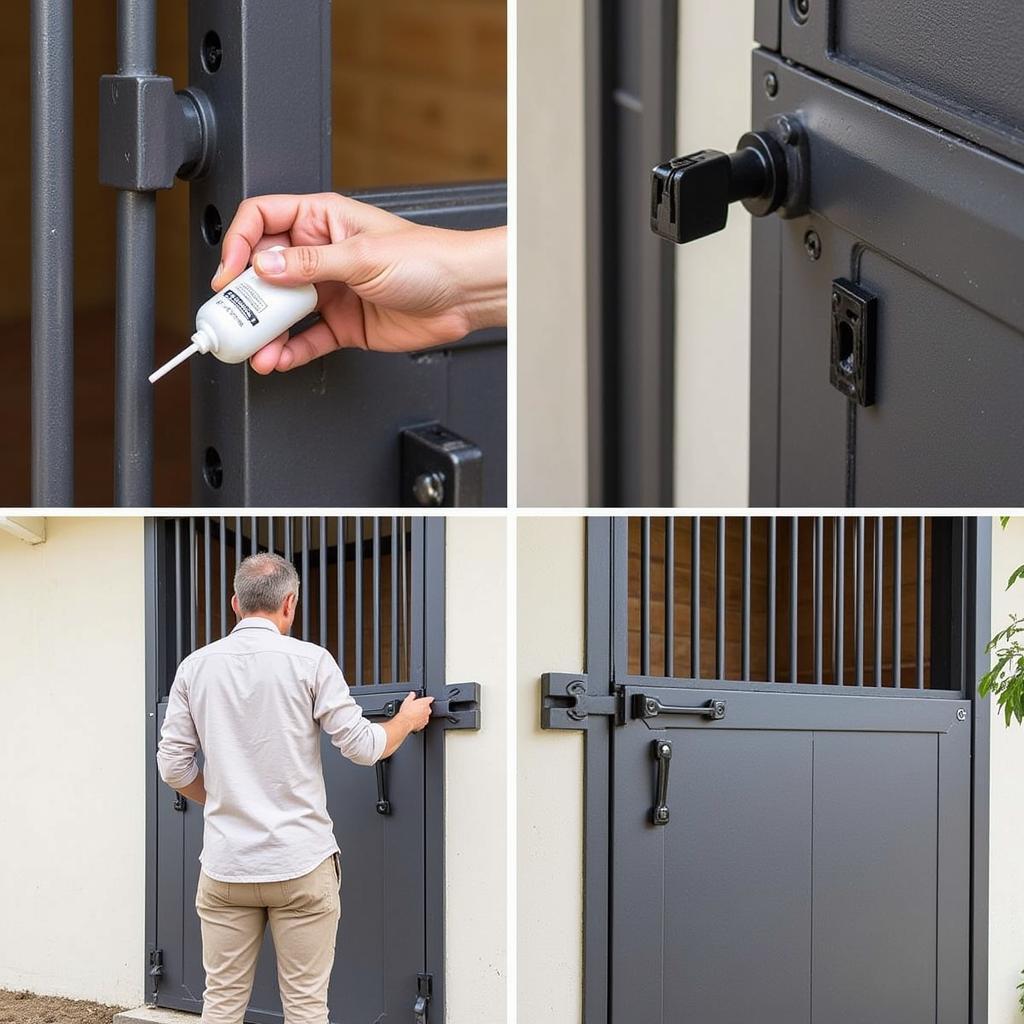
263, 581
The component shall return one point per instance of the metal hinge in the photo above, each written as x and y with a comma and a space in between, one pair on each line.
424, 990
156, 966
566, 702
440, 468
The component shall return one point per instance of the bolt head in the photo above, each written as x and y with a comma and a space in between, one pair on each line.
961, 715
802, 10
812, 245
428, 489
771, 83
787, 130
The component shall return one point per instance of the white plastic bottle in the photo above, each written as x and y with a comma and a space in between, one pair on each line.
242, 317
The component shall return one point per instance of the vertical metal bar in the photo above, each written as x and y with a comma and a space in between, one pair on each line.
405, 597
323, 581
858, 610
920, 602
341, 592
223, 577
376, 599
193, 584
745, 654
695, 597
359, 599
207, 584
772, 594
179, 625
394, 599
238, 541
794, 597
254, 533
840, 600
271, 545
52, 252
878, 596
819, 600
645, 595
135, 287
289, 539
304, 537
720, 600
670, 595
897, 603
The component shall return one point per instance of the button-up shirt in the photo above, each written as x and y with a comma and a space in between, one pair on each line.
255, 703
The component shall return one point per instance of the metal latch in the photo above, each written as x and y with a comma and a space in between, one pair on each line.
424, 990
459, 708
180, 803
383, 803
852, 366
651, 707
150, 134
566, 703
156, 963
440, 468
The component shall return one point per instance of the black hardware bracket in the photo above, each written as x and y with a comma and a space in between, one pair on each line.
180, 803
459, 708
150, 134
662, 751
567, 704
440, 469
690, 195
651, 707
852, 365
383, 803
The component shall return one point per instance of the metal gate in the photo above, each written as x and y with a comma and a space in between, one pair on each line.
254, 118
785, 769
372, 592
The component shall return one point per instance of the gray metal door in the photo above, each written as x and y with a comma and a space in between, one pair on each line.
782, 819
372, 592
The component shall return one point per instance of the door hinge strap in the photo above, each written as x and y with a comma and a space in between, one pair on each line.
651, 707
566, 702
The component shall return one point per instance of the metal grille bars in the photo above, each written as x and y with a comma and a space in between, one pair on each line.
52, 56
844, 601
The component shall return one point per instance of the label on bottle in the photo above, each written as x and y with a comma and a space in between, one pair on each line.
247, 300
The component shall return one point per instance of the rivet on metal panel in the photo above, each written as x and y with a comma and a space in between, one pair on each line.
801, 11
812, 245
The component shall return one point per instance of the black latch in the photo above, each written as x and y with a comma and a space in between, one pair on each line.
662, 751
852, 365
424, 991
180, 803
567, 704
150, 134
386, 710
440, 468
383, 803
459, 708
690, 195
652, 707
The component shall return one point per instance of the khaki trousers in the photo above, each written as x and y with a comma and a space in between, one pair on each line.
303, 915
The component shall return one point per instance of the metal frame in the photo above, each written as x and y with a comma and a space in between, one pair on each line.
426, 670
631, 54
605, 669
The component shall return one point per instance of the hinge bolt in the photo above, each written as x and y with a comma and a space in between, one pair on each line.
428, 489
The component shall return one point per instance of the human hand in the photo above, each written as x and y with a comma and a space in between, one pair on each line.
383, 282
415, 711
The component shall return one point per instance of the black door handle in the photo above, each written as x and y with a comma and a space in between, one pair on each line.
690, 195
662, 751
651, 707
383, 803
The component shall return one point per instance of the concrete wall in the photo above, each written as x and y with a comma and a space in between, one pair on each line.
1006, 900
551, 321
713, 274
72, 806
476, 809
549, 774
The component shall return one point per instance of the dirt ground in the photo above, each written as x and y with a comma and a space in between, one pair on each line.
27, 1008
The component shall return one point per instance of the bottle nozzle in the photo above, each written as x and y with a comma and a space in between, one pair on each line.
172, 363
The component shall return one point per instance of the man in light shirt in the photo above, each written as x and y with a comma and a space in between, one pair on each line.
255, 703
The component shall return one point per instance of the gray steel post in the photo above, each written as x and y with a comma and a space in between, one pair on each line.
135, 287
52, 103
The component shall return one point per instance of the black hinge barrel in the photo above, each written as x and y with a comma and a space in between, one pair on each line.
150, 134
566, 702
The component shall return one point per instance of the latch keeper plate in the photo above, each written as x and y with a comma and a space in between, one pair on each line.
459, 708
566, 702
440, 469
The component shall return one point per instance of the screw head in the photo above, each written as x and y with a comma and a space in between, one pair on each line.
961, 715
787, 130
428, 489
801, 10
812, 245
771, 83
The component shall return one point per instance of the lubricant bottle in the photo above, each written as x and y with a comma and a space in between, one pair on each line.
242, 317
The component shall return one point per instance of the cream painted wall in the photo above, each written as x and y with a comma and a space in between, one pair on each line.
72, 746
549, 774
475, 806
713, 274
550, 335
1006, 895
